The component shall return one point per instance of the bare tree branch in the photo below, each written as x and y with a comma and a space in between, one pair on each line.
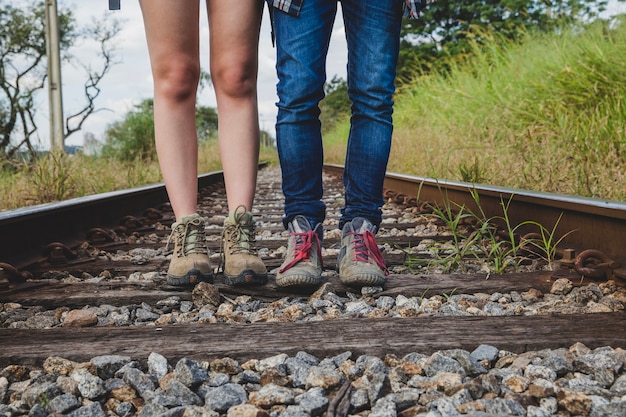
104, 34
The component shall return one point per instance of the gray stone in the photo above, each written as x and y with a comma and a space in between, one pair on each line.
386, 303
485, 352
108, 365
223, 397
298, 370
538, 371
335, 361
294, 411
471, 366
406, 398
359, 399
63, 404
91, 410
384, 407
157, 365
125, 409
180, 391
441, 363
37, 392
141, 315
152, 410
89, 386
313, 402
190, 372
499, 406
142, 383
272, 394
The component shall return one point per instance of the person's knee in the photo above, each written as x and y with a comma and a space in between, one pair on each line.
300, 94
236, 81
177, 82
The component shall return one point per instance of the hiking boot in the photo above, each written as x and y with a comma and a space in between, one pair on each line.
240, 263
360, 261
302, 266
190, 260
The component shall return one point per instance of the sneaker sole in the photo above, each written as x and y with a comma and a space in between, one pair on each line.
245, 278
298, 281
363, 280
191, 278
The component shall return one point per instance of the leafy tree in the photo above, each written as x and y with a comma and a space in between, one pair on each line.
133, 137
23, 68
336, 104
206, 122
446, 28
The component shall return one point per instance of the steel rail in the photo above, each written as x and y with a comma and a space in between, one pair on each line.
588, 223
594, 224
25, 231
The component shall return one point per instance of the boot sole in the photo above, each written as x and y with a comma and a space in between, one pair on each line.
191, 278
245, 278
362, 281
298, 281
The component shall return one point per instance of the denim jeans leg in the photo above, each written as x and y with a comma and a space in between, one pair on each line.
373, 38
301, 50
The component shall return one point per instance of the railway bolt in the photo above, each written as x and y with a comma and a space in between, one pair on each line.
58, 253
153, 214
131, 223
99, 235
594, 264
12, 274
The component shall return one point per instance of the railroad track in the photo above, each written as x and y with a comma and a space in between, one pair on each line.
110, 250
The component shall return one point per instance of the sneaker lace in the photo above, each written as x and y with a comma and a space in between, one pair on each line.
302, 248
188, 238
365, 247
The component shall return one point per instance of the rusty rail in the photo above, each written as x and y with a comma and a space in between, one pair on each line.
595, 224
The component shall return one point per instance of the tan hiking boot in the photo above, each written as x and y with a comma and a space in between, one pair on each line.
360, 261
302, 266
190, 260
240, 263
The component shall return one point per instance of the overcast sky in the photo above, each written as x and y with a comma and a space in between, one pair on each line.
130, 80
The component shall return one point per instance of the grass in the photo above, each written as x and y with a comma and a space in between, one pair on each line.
546, 114
57, 177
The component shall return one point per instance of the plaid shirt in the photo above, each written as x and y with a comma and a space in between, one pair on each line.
412, 8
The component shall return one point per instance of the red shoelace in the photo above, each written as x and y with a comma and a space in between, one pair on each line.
365, 247
302, 250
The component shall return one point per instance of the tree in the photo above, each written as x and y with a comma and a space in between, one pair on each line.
133, 137
23, 69
206, 122
446, 28
336, 103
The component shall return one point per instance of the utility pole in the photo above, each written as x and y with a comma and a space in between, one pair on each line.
57, 132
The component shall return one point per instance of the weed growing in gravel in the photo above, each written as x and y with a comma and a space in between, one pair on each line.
544, 244
486, 243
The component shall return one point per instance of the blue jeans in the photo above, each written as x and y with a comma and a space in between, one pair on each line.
373, 37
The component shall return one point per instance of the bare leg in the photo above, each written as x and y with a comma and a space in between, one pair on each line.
234, 40
172, 34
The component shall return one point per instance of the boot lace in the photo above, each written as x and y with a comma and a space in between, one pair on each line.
365, 247
302, 249
189, 237
240, 235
